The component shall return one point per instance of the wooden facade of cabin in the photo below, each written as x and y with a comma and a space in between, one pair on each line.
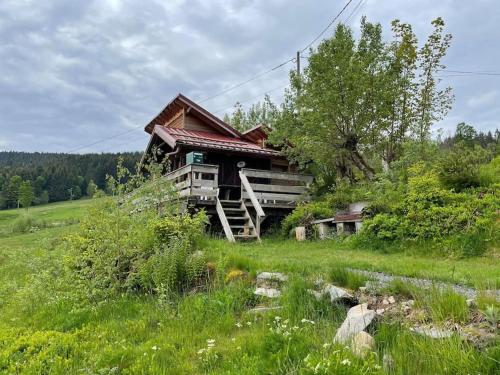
241, 181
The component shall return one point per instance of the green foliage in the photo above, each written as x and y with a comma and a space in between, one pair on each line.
26, 195
489, 174
459, 167
339, 275
56, 177
305, 214
358, 101
461, 222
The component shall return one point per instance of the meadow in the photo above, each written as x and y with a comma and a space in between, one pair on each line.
48, 327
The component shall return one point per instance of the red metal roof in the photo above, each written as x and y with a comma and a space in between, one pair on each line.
174, 137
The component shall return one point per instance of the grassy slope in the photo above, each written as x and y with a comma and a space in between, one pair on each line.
53, 213
318, 256
137, 335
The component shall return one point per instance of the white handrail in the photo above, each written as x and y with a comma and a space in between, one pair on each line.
251, 195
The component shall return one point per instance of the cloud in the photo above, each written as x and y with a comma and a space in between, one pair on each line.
484, 99
72, 73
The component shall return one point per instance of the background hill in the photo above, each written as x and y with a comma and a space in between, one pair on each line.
56, 177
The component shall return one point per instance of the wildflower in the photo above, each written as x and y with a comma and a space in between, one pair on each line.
307, 321
210, 343
239, 325
249, 324
277, 318
155, 347
346, 362
295, 328
233, 339
326, 345
201, 351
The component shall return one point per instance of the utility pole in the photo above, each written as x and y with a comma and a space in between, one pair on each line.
298, 63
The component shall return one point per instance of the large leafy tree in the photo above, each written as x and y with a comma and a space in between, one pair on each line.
358, 101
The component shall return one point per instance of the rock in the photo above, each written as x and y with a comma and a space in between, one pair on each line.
267, 292
358, 318
362, 289
271, 276
391, 300
263, 309
380, 311
385, 302
470, 302
337, 294
362, 343
432, 332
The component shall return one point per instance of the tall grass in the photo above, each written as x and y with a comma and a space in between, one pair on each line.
339, 275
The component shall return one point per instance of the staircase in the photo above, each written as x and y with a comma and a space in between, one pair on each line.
236, 220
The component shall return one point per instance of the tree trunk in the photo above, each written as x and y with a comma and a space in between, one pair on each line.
362, 165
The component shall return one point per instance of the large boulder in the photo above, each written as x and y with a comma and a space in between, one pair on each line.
358, 318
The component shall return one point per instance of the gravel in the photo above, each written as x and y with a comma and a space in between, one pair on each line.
383, 279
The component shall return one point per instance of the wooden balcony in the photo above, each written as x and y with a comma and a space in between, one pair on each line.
260, 190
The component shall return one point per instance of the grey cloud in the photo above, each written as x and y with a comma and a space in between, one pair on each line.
75, 72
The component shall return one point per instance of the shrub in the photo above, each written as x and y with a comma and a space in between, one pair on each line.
460, 222
118, 252
305, 214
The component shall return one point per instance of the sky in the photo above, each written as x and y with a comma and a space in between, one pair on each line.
86, 76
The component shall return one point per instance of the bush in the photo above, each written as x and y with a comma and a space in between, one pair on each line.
305, 214
460, 222
119, 252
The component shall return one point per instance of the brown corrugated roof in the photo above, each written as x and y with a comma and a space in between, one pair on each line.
174, 137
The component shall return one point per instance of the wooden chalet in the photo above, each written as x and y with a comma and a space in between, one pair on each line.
243, 183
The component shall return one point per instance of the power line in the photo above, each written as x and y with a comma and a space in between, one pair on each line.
463, 72
245, 82
327, 27
358, 6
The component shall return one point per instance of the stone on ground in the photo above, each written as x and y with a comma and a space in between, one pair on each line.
433, 332
267, 292
271, 276
337, 294
362, 343
358, 318
263, 309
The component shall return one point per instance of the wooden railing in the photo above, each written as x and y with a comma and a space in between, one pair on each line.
200, 180
273, 188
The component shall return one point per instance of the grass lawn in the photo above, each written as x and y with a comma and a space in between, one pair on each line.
53, 213
319, 256
46, 327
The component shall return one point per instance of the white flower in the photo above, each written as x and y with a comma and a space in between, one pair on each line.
233, 339
211, 343
346, 362
201, 351
239, 325
295, 328
249, 324
155, 347
307, 321
326, 345
277, 318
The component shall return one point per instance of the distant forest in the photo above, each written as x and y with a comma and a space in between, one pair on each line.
40, 178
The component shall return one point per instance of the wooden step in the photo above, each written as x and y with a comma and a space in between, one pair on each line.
241, 226
234, 209
223, 202
245, 236
237, 218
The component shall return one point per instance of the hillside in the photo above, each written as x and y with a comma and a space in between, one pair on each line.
56, 177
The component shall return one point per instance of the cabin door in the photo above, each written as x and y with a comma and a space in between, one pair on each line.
229, 179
